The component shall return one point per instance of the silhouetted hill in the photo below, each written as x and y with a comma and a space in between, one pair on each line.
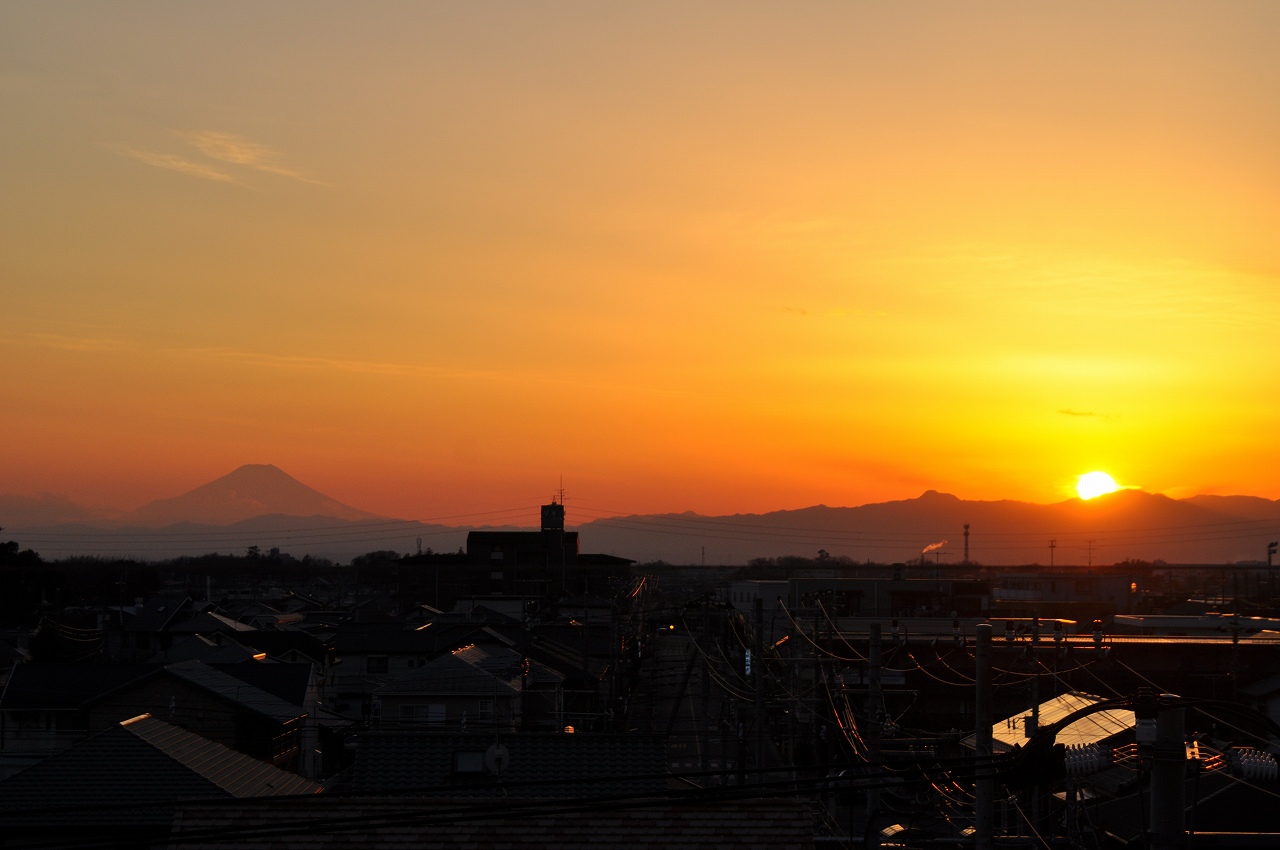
43, 509
1129, 524
253, 490
262, 506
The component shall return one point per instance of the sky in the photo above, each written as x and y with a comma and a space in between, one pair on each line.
434, 259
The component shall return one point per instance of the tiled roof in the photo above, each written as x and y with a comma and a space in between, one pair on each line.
116, 777
505, 663
543, 765
324, 823
449, 675
431, 640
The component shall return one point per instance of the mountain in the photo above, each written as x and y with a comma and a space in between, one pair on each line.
259, 505
43, 509
253, 490
1128, 524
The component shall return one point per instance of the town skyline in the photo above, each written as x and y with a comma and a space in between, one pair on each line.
261, 507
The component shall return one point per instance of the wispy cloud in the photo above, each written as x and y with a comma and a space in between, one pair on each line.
240, 150
173, 162
223, 149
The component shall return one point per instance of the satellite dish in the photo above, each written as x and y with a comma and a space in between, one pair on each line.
496, 758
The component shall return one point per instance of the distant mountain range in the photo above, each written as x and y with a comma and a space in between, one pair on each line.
260, 505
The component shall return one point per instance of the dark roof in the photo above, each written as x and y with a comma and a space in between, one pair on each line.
392, 824
236, 690
449, 675
56, 686
158, 612
506, 663
565, 659
74, 686
200, 648
208, 622
278, 643
428, 640
539, 765
287, 680
113, 775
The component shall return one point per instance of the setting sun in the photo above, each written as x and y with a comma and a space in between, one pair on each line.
1095, 484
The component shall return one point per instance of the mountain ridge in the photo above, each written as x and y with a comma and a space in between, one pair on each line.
262, 504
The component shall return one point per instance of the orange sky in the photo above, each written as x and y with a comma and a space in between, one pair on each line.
428, 258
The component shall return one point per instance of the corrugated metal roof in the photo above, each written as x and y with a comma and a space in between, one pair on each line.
1089, 730
237, 774
124, 775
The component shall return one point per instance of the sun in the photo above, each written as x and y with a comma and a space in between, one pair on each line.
1095, 484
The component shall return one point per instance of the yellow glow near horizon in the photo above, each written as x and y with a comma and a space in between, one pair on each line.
1093, 484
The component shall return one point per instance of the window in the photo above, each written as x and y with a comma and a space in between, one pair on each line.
376, 664
435, 714
485, 709
409, 713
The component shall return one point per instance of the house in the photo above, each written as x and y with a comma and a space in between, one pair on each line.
258, 708
371, 654
451, 692
122, 785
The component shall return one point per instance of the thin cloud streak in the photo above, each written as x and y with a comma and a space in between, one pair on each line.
173, 162
240, 150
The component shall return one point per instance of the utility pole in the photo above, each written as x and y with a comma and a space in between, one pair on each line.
966, 544
1271, 576
1053, 544
875, 701
757, 671
1168, 781
1031, 724
1090, 554
984, 784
